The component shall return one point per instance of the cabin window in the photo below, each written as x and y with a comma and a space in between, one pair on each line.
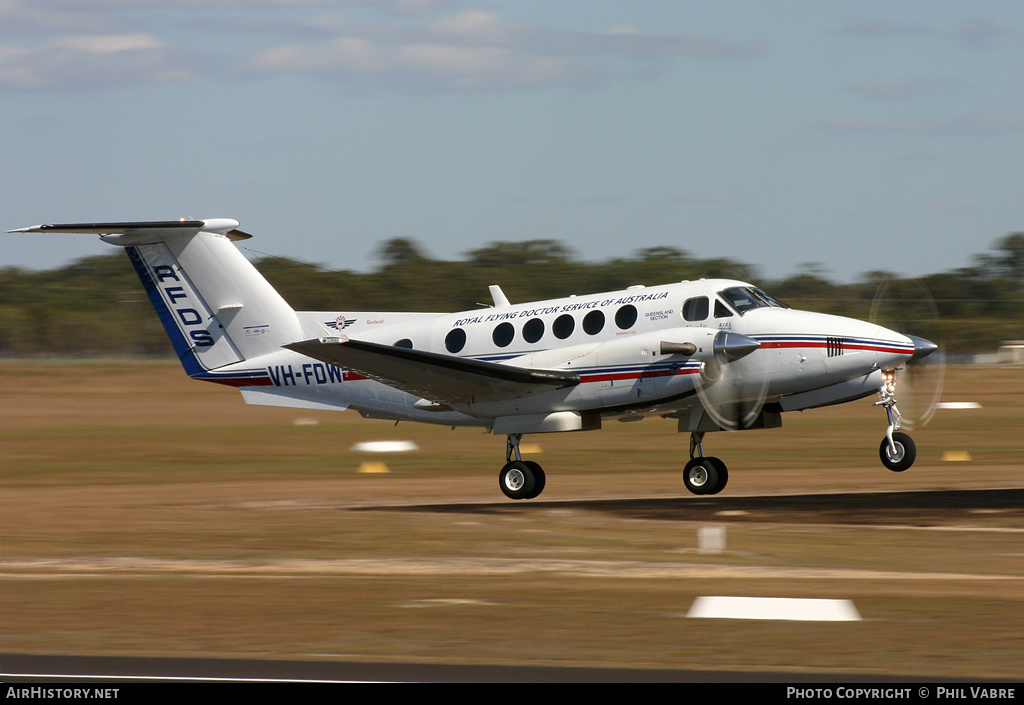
533, 330
455, 340
625, 317
696, 309
503, 334
593, 322
563, 326
404, 343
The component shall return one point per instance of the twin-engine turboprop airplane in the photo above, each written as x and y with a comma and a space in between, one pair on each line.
715, 354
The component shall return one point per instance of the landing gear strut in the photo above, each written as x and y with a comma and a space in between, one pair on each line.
520, 479
897, 450
703, 475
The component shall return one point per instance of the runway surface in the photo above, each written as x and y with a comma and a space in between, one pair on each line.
923, 508
956, 510
95, 670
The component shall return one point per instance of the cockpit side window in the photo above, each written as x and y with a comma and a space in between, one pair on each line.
721, 310
773, 302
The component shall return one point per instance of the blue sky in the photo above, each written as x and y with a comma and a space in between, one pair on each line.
854, 136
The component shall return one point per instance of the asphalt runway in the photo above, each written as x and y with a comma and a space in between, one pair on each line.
983, 509
97, 670
923, 508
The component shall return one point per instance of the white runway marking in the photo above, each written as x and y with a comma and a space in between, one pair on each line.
774, 608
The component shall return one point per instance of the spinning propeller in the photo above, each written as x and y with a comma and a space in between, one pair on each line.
730, 391
906, 306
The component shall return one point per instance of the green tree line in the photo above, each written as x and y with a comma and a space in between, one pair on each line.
96, 307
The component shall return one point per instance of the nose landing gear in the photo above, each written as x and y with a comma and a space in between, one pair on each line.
897, 450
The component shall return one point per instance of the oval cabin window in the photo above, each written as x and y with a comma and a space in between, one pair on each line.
563, 326
625, 317
455, 340
593, 322
533, 330
503, 334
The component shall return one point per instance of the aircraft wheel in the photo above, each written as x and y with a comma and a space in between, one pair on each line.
539, 478
701, 476
517, 480
723, 475
906, 452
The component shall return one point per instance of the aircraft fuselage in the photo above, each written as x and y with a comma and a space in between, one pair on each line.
614, 341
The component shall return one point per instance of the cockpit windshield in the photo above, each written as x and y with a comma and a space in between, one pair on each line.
747, 298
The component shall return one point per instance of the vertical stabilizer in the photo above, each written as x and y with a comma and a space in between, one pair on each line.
216, 307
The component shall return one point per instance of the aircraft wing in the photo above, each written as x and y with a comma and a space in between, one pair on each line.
444, 379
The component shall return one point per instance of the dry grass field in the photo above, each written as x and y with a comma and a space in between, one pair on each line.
142, 513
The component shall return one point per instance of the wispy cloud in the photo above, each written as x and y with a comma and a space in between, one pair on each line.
988, 123
20, 18
890, 89
873, 29
969, 33
88, 61
978, 33
409, 44
479, 50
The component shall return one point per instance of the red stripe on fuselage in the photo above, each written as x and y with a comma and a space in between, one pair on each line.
768, 345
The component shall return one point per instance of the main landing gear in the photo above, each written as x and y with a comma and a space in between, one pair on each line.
520, 479
897, 450
703, 475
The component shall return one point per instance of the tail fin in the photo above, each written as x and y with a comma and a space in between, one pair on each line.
216, 307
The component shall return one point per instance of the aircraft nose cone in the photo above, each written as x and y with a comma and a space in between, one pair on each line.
922, 347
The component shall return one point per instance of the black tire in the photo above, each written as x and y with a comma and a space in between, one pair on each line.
516, 480
906, 452
701, 476
723, 475
539, 478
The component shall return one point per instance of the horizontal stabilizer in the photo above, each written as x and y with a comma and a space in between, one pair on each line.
223, 226
445, 379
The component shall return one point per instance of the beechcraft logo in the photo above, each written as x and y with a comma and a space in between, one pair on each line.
340, 323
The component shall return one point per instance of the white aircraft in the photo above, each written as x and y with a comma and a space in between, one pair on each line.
715, 354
